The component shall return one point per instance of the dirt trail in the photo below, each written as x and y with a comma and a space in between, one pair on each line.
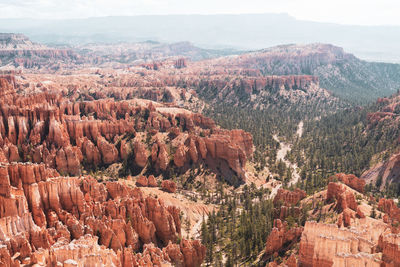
300, 129
285, 148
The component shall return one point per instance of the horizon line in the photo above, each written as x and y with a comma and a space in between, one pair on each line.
201, 14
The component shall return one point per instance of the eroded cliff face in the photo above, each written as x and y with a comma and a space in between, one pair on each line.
327, 245
48, 219
43, 126
160, 81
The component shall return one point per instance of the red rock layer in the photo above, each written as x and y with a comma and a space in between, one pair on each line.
50, 220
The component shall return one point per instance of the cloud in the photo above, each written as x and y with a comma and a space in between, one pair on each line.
339, 11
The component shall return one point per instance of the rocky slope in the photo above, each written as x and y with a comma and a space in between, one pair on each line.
384, 173
18, 51
261, 92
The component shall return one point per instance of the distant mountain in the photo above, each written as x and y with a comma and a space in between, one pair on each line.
17, 50
342, 73
247, 32
149, 50
12, 41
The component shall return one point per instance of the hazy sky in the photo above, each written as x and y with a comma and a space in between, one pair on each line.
364, 12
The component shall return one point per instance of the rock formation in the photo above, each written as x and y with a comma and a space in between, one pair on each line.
327, 245
344, 198
142, 181
47, 219
351, 181
282, 237
390, 208
289, 198
71, 136
168, 186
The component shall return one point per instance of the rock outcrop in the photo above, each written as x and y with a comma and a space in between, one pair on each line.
282, 237
344, 198
390, 208
168, 186
289, 198
351, 181
142, 181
